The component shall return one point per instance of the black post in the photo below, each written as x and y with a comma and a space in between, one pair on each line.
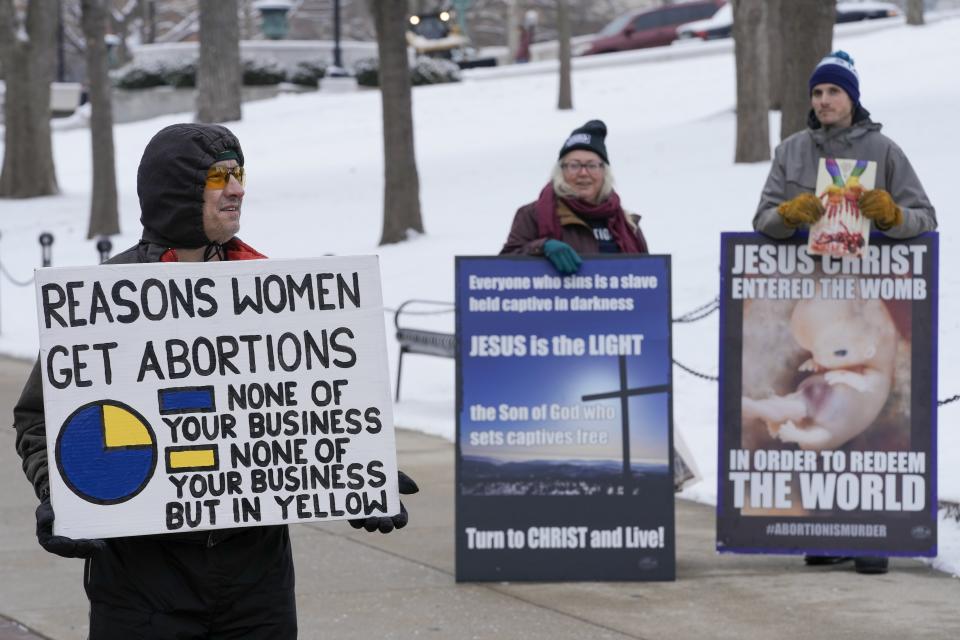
46, 241
104, 246
337, 60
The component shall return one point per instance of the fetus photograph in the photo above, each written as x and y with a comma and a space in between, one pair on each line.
826, 374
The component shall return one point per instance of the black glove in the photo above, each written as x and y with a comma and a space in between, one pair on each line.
61, 545
386, 524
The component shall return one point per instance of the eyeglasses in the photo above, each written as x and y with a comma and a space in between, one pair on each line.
217, 177
574, 166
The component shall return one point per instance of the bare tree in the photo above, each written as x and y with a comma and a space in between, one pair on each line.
774, 55
148, 21
915, 12
104, 219
186, 25
513, 20
122, 19
565, 94
28, 57
807, 33
219, 76
401, 191
750, 51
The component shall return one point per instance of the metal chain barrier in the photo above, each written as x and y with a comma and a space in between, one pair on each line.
951, 509
940, 403
694, 315
19, 283
700, 312
693, 372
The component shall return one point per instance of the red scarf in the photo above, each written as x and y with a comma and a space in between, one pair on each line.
548, 223
236, 249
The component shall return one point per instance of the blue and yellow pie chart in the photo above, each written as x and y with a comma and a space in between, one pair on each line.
106, 452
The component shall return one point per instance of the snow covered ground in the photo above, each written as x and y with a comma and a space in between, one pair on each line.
486, 147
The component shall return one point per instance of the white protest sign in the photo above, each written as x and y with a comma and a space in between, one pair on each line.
192, 396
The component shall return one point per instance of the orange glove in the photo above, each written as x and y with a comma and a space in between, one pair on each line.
877, 205
806, 208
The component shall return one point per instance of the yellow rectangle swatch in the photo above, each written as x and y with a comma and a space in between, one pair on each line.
192, 459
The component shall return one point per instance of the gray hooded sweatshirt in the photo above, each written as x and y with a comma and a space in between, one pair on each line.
794, 171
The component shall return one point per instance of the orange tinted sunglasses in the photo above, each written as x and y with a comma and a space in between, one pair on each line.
217, 177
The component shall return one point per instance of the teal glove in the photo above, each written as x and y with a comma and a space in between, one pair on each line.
562, 256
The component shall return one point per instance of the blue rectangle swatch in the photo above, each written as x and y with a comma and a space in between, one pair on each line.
186, 399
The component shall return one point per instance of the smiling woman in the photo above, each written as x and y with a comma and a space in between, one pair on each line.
578, 211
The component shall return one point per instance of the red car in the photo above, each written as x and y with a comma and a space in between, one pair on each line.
651, 27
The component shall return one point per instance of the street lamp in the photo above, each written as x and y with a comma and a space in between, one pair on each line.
274, 17
337, 69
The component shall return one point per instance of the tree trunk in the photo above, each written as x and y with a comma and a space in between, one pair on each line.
29, 64
219, 76
401, 189
774, 55
915, 12
807, 30
104, 219
565, 95
248, 26
148, 21
513, 20
750, 44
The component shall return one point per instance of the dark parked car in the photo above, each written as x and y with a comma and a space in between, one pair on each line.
720, 25
650, 28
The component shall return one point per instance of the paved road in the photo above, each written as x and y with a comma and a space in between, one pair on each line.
354, 585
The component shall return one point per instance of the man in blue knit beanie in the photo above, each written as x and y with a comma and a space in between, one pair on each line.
837, 69
838, 126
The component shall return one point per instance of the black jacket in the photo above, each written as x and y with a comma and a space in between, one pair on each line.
170, 183
238, 582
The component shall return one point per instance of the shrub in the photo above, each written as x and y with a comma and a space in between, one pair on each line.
258, 73
140, 77
367, 72
434, 71
425, 71
307, 73
182, 73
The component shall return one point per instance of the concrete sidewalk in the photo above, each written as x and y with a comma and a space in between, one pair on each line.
355, 585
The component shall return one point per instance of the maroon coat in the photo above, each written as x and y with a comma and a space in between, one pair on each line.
525, 239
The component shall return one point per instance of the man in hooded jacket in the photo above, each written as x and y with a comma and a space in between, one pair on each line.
226, 583
839, 127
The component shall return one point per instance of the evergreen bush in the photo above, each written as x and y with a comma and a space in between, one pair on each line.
182, 74
307, 73
258, 73
425, 70
428, 70
140, 76
367, 72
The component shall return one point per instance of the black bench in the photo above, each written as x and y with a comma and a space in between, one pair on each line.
422, 341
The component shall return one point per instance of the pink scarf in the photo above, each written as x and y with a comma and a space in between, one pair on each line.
548, 223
